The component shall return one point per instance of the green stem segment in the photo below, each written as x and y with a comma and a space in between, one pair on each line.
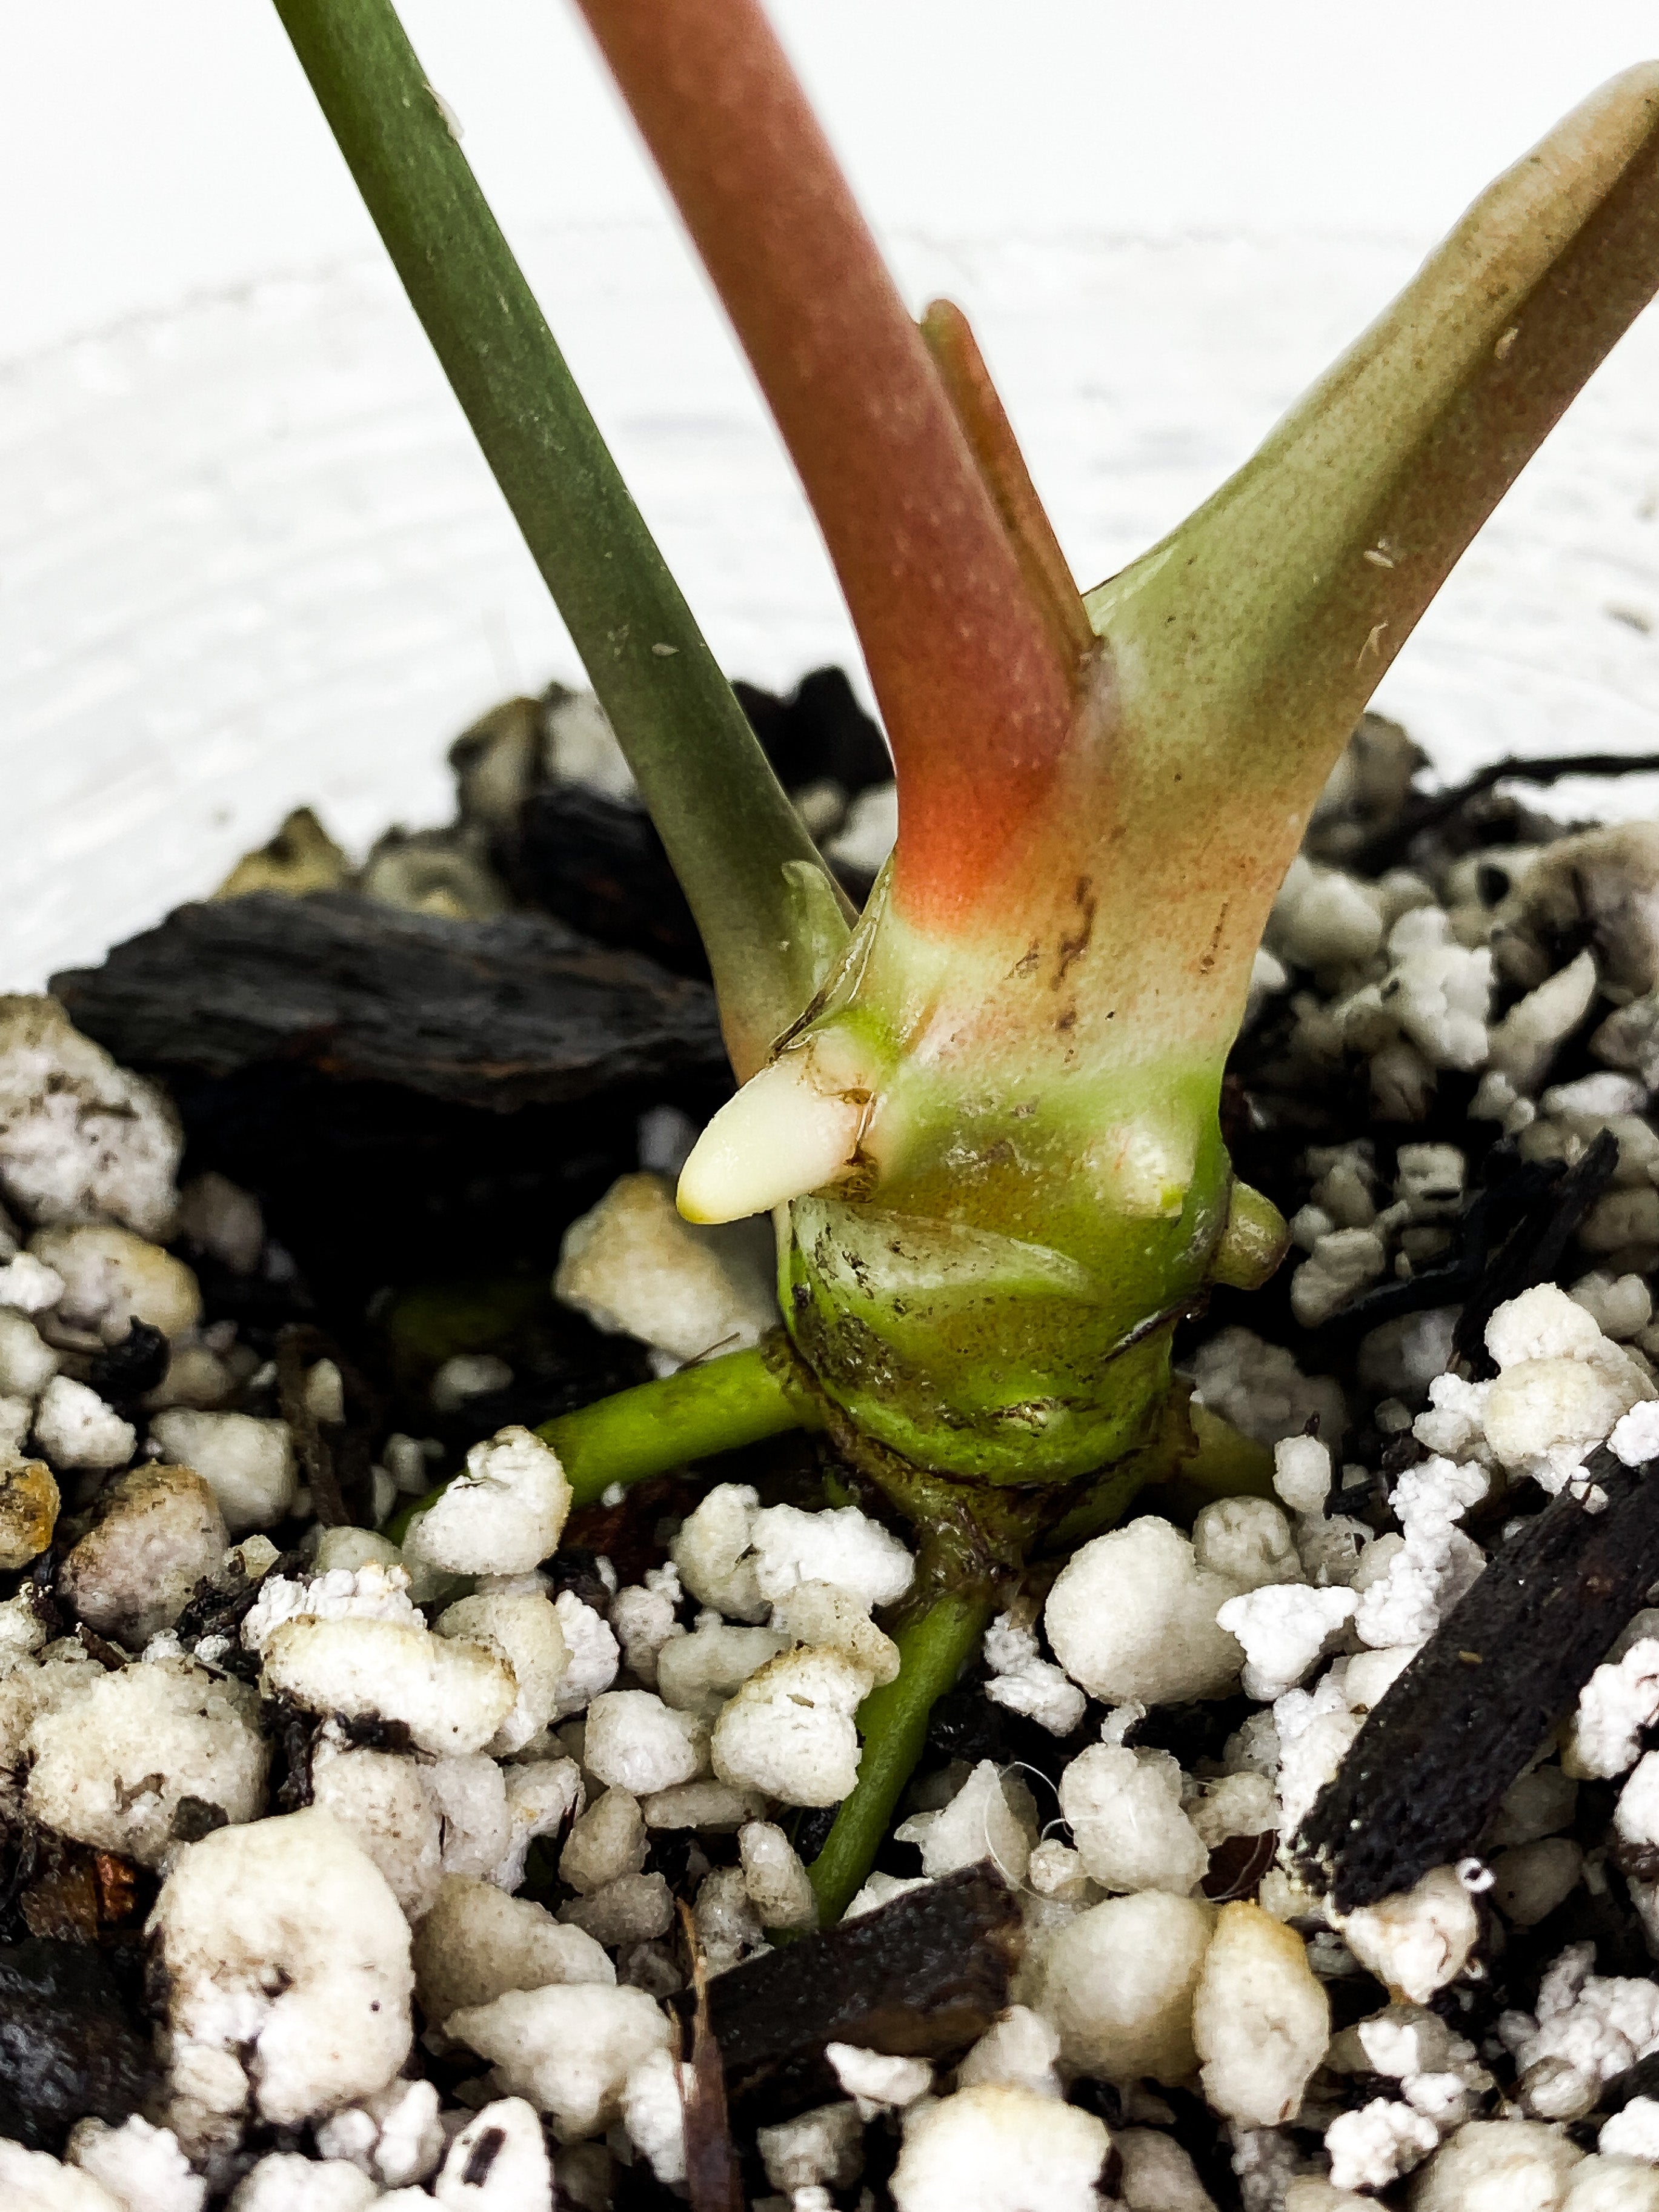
893, 1722
718, 1406
768, 913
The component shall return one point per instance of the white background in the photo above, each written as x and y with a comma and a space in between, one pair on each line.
250, 558
154, 148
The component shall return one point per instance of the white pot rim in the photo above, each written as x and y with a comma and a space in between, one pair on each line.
249, 556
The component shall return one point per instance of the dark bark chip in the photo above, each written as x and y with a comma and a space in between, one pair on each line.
68, 2050
1426, 1773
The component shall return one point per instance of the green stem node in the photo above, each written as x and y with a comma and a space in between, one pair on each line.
893, 1722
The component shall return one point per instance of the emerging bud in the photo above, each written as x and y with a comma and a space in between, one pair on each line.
793, 1128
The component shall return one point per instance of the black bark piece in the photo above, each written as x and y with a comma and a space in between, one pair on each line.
68, 2050
493, 1014
1532, 1251
122, 1372
819, 733
1641, 2080
922, 1977
353, 1066
1424, 811
218, 1605
1426, 1772
51, 1885
25, 1855
1511, 1234
63, 1904
598, 864
196, 1817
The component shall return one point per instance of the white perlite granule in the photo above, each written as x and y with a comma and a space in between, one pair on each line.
1260, 2019
111, 1279
1118, 1983
75, 1428
248, 1463
385, 1802
1420, 1940
1131, 1616
1125, 1813
635, 1742
993, 1816
451, 1694
160, 1533
142, 2166
569, 2050
635, 1265
998, 2148
287, 1970
81, 1140
525, 1630
1025, 1682
789, 1733
502, 1516
476, 1943
114, 1764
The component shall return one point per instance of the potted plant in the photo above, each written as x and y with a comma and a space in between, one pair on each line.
984, 1113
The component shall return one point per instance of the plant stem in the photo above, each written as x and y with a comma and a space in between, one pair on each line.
974, 687
1293, 587
770, 928
893, 1722
715, 1406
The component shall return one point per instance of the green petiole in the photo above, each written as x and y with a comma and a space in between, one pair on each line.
768, 913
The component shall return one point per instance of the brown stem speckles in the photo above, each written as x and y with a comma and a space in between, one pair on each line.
1212, 949
1073, 945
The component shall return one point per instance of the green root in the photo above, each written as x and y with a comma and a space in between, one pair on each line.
744, 1397
716, 1406
1197, 1459
893, 1723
